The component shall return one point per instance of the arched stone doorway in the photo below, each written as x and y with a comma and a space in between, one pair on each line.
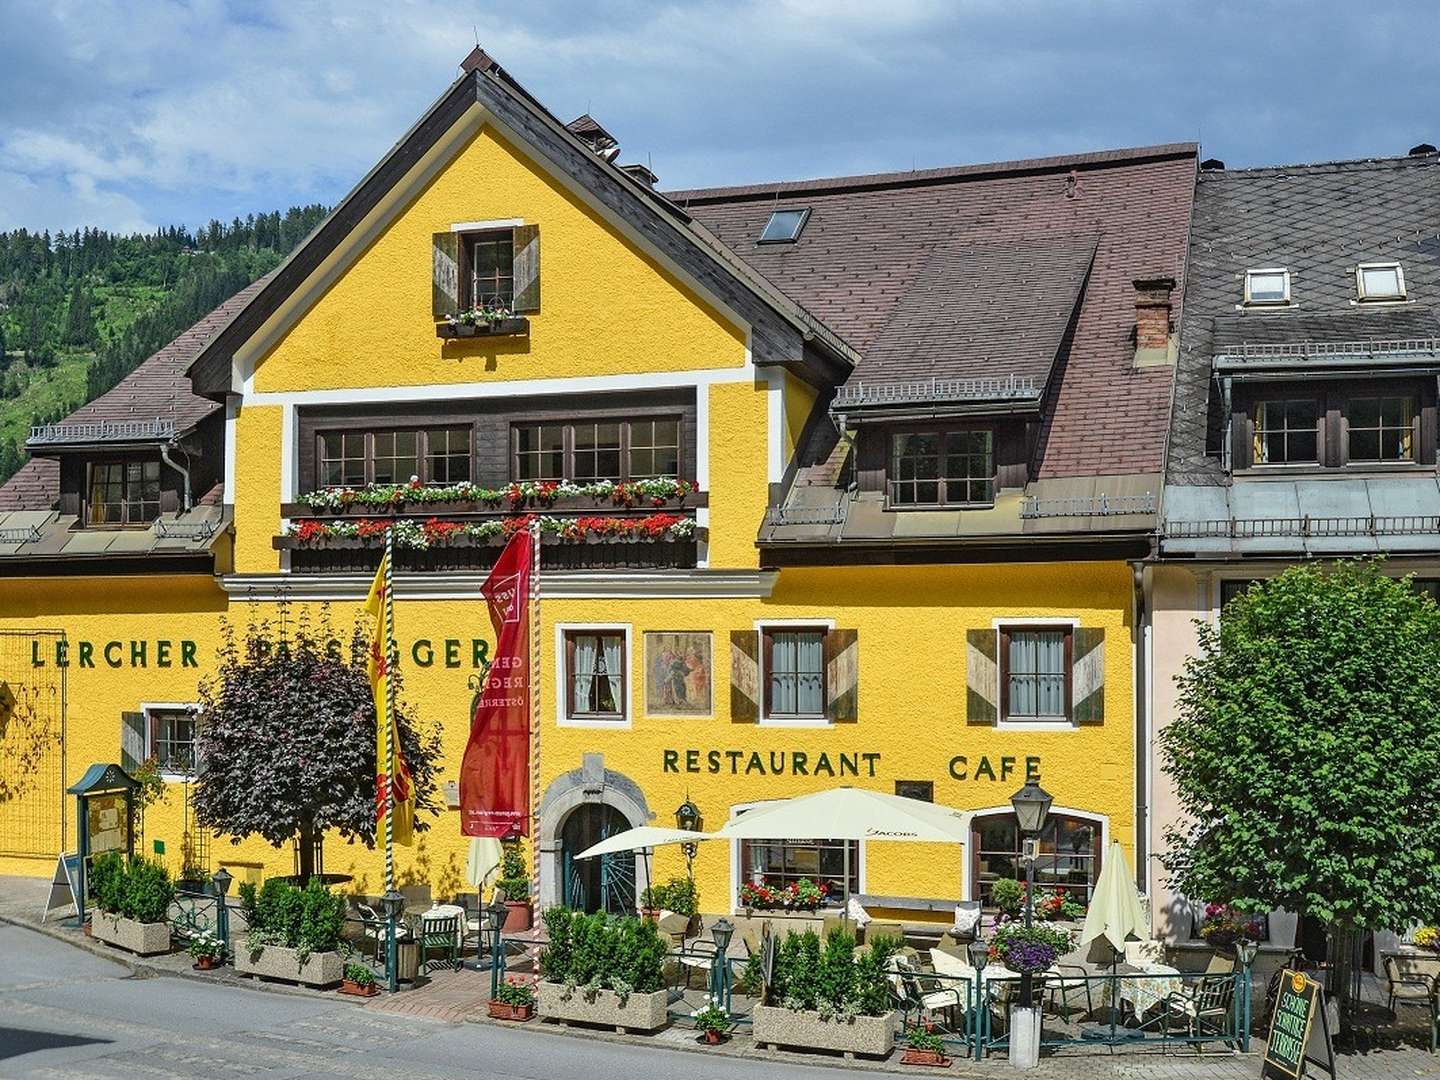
579, 809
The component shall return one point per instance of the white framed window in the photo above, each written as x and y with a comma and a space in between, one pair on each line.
1267, 286
1379, 281
593, 669
171, 734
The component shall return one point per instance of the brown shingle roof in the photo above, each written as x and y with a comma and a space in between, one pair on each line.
35, 487
869, 238
159, 387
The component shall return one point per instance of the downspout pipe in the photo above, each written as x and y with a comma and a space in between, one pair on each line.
1142, 740
182, 470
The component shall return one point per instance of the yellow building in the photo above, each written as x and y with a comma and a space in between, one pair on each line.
923, 415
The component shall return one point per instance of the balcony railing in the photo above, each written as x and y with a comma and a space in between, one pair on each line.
860, 395
99, 431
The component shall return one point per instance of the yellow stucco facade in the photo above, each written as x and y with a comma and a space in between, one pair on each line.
612, 315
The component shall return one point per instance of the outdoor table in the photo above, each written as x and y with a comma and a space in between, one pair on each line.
1143, 990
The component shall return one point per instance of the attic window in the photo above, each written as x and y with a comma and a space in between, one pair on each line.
1269, 286
784, 226
1380, 281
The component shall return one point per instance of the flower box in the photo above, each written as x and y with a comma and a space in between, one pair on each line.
142, 939
936, 1058
501, 1011
354, 989
278, 962
868, 1036
513, 327
637, 1012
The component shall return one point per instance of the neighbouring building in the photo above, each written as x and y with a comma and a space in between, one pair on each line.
1304, 417
925, 416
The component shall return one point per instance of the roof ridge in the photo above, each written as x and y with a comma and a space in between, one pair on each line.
1055, 163
1336, 164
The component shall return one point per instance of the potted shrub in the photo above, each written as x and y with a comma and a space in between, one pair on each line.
1427, 937
515, 882
208, 951
514, 1000
295, 933
597, 970
358, 981
827, 998
924, 1047
712, 1022
1027, 951
679, 895
133, 905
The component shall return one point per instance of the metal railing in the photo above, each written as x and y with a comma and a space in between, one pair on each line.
1299, 350
194, 913
88, 431
858, 394
1034, 506
834, 514
185, 530
1250, 528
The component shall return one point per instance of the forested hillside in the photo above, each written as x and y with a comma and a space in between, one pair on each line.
79, 310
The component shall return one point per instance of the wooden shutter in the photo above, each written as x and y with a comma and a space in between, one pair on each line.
842, 676
445, 293
982, 677
1087, 675
745, 676
526, 243
132, 740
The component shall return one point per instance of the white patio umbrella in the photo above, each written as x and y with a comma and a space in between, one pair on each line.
1115, 910
642, 838
851, 814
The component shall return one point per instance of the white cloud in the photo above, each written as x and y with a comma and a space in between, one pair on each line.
168, 111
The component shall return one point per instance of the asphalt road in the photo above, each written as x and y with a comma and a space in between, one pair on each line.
66, 1014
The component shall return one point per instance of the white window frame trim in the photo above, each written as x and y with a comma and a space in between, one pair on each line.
1255, 271
737, 872
1382, 264
562, 687
765, 720
1003, 723
147, 707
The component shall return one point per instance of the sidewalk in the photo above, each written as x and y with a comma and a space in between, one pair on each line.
459, 996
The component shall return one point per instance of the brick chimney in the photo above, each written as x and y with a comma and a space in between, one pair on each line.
1152, 315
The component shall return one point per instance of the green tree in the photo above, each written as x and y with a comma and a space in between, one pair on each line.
1306, 754
288, 739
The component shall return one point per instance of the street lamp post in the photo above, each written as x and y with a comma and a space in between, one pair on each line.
221, 880
980, 1008
390, 905
721, 933
1031, 804
1245, 951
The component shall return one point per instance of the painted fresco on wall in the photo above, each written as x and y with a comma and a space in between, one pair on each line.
678, 673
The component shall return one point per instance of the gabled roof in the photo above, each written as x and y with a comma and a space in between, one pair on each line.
1318, 221
870, 242
488, 84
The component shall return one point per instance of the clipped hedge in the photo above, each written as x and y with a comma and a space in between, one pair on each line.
626, 955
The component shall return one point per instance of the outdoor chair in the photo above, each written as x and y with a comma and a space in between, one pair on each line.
925, 995
442, 934
1203, 1008
1066, 977
1221, 965
1407, 981
375, 928
697, 955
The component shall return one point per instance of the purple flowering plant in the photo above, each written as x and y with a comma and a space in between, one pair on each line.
1034, 949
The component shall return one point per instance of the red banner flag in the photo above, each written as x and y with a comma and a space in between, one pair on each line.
495, 774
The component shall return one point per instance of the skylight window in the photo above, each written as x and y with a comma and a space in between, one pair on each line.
784, 226
1269, 286
1380, 281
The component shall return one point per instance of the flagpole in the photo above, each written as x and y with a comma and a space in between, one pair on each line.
534, 688
391, 950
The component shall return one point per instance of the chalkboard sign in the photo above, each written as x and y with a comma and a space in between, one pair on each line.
1298, 1001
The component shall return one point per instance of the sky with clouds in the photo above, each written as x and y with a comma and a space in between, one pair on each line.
130, 115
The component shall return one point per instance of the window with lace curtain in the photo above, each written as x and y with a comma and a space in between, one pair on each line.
1035, 673
595, 683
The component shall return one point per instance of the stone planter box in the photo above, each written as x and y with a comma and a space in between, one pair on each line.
868, 1036
142, 939
278, 962
639, 1012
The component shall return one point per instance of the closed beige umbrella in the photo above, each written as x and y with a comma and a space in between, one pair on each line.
1115, 910
483, 865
